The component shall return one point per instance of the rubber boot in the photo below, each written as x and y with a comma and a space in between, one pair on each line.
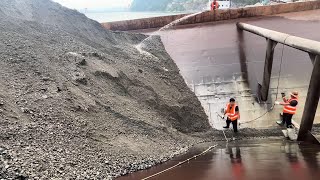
279, 123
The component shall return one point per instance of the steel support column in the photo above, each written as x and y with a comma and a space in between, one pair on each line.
312, 101
312, 57
267, 69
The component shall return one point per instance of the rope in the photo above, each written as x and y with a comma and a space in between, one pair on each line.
180, 163
279, 75
225, 135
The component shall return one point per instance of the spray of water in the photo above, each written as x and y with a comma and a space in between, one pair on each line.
173, 23
168, 26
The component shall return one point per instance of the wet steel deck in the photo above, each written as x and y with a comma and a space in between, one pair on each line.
263, 159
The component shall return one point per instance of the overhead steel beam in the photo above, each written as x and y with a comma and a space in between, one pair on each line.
302, 44
274, 37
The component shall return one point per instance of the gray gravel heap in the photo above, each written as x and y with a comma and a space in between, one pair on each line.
78, 101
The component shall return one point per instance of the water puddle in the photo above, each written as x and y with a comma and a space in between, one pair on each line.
264, 159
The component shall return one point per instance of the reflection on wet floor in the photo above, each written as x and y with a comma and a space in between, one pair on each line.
267, 159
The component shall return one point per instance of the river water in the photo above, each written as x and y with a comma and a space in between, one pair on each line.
275, 159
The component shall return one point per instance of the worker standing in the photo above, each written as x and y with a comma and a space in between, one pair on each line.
289, 108
214, 5
232, 112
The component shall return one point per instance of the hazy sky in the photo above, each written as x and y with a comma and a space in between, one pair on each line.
80, 4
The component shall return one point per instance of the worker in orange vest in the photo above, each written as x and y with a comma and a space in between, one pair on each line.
232, 112
214, 5
289, 108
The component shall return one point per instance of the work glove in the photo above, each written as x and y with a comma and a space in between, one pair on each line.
277, 103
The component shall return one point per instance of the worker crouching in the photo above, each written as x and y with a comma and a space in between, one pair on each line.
232, 113
289, 109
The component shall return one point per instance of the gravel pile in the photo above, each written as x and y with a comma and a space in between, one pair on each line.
78, 101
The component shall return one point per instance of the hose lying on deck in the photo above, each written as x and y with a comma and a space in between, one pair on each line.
180, 163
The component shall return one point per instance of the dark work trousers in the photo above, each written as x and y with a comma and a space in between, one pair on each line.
287, 118
234, 124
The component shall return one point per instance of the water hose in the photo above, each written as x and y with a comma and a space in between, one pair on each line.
180, 163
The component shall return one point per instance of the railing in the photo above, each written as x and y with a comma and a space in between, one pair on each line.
306, 45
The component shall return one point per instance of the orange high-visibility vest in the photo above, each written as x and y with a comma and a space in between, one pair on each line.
290, 109
232, 112
214, 5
